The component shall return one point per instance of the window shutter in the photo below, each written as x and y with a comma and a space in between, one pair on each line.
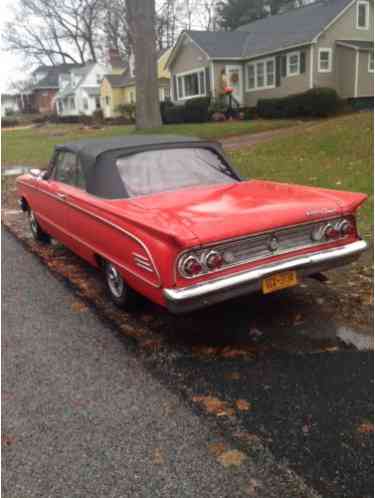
283, 66
175, 97
208, 81
278, 70
302, 62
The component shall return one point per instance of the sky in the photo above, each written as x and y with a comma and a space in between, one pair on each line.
10, 63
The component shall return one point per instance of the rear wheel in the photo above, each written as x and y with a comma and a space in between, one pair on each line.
121, 294
37, 232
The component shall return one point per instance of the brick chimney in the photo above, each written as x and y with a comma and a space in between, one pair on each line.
115, 61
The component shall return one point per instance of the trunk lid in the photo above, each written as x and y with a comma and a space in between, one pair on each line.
223, 212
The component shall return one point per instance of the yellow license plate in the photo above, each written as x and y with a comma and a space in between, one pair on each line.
279, 281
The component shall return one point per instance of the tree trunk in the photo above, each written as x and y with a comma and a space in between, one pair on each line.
142, 26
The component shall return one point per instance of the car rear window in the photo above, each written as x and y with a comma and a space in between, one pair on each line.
155, 171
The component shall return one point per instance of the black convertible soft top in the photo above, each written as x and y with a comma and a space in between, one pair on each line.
98, 157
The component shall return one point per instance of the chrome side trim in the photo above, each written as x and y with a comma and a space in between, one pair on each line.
203, 294
104, 221
104, 255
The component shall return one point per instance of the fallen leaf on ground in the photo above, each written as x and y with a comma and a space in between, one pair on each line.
79, 306
330, 349
153, 345
232, 376
236, 353
243, 405
298, 319
158, 457
232, 458
216, 449
214, 405
204, 350
251, 489
247, 437
7, 440
366, 428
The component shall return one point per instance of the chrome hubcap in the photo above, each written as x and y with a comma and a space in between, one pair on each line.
33, 223
115, 281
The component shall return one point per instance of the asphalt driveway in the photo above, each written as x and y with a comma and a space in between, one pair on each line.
85, 415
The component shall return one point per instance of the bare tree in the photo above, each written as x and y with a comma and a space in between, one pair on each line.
141, 21
115, 26
55, 31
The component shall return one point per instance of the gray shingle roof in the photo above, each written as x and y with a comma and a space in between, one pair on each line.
51, 80
272, 33
220, 43
361, 45
117, 80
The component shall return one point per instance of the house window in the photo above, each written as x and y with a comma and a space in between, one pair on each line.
97, 103
98, 78
251, 76
85, 104
72, 103
60, 106
107, 100
180, 89
325, 60
270, 73
167, 93
293, 64
371, 62
261, 74
363, 11
131, 97
191, 85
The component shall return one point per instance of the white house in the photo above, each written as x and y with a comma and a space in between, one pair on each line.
79, 90
9, 104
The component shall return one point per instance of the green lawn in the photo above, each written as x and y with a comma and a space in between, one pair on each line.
334, 154
34, 146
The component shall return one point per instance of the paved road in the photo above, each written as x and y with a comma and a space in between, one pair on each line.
82, 417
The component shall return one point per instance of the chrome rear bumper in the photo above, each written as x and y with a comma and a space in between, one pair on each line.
181, 300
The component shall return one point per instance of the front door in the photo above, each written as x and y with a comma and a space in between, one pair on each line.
234, 74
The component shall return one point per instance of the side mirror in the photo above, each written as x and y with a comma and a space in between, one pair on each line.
44, 175
35, 172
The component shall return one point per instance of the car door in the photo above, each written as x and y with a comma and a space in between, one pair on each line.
78, 205
63, 176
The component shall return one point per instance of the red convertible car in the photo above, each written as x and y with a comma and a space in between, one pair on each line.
168, 217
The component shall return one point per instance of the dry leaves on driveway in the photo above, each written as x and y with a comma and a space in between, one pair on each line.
232, 458
243, 405
366, 428
220, 408
214, 406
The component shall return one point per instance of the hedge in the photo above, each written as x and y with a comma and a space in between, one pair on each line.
9, 122
317, 102
196, 110
193, 111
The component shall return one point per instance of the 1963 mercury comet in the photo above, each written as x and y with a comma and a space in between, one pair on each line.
169, 218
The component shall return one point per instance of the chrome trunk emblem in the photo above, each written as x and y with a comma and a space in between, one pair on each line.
273, 243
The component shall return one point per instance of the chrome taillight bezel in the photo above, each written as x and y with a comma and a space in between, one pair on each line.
224, 248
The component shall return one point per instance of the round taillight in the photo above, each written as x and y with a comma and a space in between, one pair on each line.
192, 266
331, 232
214, 260
346, 228
318, 233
